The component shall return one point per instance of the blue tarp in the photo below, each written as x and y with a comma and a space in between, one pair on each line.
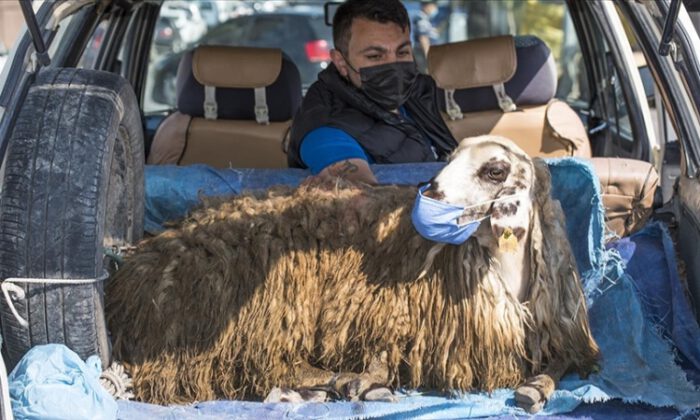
171, 191
52, 382
639, 315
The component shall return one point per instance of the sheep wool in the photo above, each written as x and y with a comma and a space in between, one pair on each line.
259, 290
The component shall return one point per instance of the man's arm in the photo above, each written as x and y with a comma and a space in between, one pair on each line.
356, 170
331, 152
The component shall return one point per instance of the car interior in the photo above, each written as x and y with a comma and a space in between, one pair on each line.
561, 78
503, 85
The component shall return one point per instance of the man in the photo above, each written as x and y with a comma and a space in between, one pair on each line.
370, 105
424, 33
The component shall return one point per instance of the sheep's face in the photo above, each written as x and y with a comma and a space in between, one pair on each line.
483, 169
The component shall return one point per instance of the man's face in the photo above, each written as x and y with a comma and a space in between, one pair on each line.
372, 43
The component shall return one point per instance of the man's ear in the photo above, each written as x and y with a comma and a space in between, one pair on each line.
339, 62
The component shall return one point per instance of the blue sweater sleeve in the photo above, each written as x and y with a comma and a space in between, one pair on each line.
326, 145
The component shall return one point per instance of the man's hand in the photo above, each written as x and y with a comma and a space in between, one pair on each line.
355, 170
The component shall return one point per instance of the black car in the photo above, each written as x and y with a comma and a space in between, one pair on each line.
166, 37
301, 33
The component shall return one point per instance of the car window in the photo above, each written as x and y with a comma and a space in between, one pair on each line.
236, 29
620, 120
320, 29
549, 20
89, 58
268, 30
297, 29
610, 126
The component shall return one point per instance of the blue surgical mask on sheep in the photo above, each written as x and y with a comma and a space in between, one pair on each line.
443, 222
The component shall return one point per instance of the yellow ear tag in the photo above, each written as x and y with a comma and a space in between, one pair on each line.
508, 242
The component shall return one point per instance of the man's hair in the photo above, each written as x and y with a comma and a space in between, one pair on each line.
381, 11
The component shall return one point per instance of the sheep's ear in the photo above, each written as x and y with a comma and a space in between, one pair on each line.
554, 279
543, 180
552, 260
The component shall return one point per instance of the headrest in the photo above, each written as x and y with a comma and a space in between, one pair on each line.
474, 63
524, 64
233, 83
255, 67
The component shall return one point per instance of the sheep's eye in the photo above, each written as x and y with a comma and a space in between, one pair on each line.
495, 173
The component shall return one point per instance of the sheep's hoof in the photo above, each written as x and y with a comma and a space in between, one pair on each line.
313, 395
364, 388
532, 395
302, 395
283, 395
354, 388
382, 394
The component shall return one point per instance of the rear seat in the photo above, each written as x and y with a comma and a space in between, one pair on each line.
628, 187
505, 86
472, 75
235, 106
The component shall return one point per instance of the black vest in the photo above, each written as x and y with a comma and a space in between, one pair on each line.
387, 137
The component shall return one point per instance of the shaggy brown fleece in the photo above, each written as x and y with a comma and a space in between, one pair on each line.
243, 295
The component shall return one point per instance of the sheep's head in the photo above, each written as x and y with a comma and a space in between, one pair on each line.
481, 170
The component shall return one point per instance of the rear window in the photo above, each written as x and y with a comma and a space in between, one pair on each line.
270, 30
320, 29
299, 29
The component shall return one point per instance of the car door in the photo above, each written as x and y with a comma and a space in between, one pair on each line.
677, 76
618, 115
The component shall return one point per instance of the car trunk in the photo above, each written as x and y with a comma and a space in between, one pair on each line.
673, 74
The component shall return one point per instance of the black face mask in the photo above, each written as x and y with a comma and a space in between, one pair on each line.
389, 85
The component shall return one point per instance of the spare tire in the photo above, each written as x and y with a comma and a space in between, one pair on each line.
72, 187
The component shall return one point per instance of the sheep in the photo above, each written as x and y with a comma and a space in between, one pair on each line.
314, 287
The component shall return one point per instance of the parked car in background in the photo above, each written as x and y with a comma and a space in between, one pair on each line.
299, 31
210, 11
186, 20
167, 37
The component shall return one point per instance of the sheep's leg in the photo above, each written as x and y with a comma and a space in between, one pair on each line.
371, 385
311, 382
534, 393
314, 384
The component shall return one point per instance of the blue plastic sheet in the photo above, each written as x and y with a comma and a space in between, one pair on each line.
172, 191
650, 259
638, 314
52, 382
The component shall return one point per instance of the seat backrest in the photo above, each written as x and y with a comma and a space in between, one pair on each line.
235, 106
505, 86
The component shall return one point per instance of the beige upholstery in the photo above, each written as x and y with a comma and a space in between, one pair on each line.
549, 129
170, 140
185, 139
252, 146
530, 128
255, 67
563, 126
628, 188
453, 66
